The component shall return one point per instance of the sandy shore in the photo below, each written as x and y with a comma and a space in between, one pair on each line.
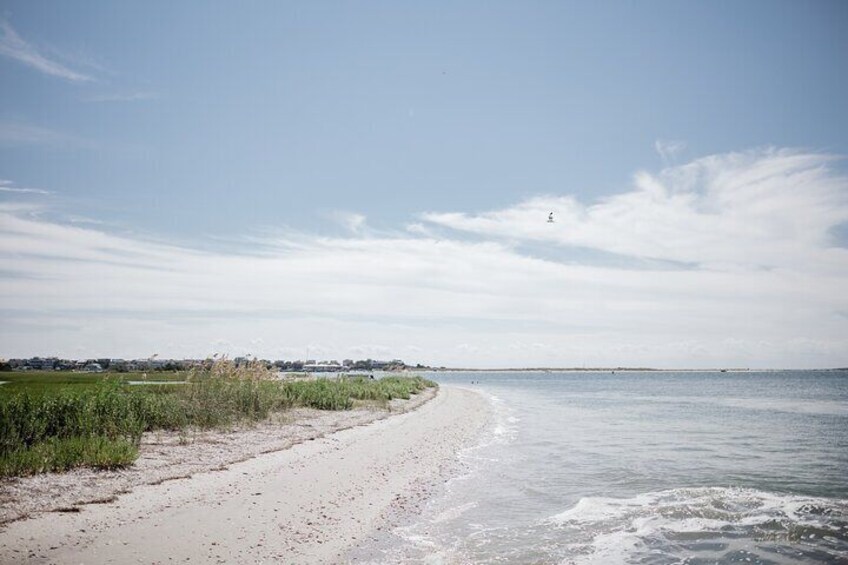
165, 456
311, 503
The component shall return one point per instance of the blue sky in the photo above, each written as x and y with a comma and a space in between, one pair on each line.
349, 152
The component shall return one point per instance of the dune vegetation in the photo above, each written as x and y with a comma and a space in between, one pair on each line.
55, 427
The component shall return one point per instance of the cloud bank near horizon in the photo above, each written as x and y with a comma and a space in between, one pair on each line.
729, 260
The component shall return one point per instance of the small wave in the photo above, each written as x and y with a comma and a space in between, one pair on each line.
453, 512
429, 539
822, 406
503, 426
712, 523
499, 431
799, 406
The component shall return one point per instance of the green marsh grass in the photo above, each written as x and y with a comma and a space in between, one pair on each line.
47, 380
70, 422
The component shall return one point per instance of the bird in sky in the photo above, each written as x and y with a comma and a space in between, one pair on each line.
551, 218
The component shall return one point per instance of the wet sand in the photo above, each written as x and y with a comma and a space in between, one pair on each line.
311, 503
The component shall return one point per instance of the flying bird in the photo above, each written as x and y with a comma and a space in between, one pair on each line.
551, 218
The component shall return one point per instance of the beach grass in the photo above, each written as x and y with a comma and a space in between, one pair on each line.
59, 425
61, 454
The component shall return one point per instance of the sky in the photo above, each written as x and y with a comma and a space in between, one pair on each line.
373, 179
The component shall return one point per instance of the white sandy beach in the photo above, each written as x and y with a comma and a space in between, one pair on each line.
311, 503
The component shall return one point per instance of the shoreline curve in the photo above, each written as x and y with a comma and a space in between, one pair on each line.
310, 502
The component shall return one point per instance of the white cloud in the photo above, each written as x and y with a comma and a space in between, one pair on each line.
759, 209
6, 186
27, 208
481, 301
350, 221
83, 220
13, 46
669, 149
418, 228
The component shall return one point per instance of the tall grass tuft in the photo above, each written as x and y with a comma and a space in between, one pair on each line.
62, 427
226, 392
62, 454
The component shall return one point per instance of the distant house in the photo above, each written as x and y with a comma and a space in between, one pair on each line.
93, 368
322, 367
39, 364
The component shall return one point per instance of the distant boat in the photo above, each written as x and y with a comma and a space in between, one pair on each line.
724, 370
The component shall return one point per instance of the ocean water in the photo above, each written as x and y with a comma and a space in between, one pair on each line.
644, 467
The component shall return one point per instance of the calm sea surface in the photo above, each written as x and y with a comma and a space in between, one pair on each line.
641, 467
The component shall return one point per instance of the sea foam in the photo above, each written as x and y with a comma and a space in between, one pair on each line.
715, 523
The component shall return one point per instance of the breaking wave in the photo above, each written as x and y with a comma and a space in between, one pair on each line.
705, 525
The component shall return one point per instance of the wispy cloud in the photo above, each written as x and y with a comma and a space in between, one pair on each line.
83, 220
8, 186
125, 97
669, 149
350, 221
18, 134
15, 47
474, 295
